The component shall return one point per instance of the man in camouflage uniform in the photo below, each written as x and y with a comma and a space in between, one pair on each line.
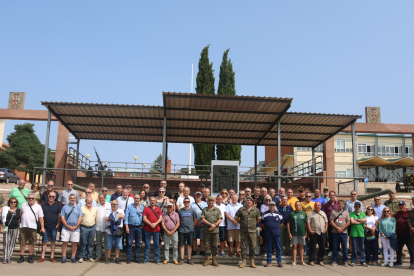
211, 218
248, 217
391, 203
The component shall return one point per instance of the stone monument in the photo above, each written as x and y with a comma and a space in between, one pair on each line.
224, 175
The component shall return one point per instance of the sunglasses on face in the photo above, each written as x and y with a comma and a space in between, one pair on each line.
30, 198
88, 192
267, 199
353, 194
104, 191
376, 199
51, 196
370, 209
50, 185
114, 204
225, 193
241, 194
386, 211
161, 191
146, 187
13, 202
308, 196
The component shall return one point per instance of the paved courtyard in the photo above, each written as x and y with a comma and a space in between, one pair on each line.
90, 269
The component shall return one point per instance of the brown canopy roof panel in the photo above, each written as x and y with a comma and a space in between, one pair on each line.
195, 118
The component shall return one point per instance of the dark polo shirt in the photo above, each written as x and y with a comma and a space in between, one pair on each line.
51, 214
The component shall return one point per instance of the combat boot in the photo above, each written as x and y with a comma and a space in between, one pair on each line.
214, 261
252, 265
207, 261
243, 264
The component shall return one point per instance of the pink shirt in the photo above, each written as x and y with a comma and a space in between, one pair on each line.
167, 220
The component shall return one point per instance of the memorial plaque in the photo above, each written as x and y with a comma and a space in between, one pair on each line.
225, 175
16, 100
373, 115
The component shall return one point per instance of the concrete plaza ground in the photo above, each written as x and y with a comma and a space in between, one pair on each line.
90, 269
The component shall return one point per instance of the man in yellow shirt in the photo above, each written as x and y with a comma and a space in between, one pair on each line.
290, 199
94, 194
308, 205
87, 229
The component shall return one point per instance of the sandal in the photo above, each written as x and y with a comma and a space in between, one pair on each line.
8, 261
231, 254
4, 261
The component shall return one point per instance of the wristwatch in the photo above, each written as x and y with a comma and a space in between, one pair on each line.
210, 224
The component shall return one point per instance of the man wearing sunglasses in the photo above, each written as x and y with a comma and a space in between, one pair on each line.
163, 184
63, 198
82, 202
188, 220
51, 211
107, 197
146, 188
31, 212
50, 188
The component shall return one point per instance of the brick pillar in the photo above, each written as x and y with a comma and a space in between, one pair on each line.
329, 162
61, 153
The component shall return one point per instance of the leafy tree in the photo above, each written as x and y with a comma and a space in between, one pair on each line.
156, 166
227, 86
203, 154
25, 151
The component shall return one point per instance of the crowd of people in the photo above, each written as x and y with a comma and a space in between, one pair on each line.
251, 223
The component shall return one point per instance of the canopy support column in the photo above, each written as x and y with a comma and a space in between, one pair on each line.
49, 116
255, 165
279, 173
354, 168
313, 167
77, 161
164, 147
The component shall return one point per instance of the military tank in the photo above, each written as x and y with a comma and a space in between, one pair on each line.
406, 184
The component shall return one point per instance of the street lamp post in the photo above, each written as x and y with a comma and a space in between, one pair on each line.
135, 165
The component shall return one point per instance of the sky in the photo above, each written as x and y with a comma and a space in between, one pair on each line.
329, 56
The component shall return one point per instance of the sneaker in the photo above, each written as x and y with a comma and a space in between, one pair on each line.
30, 259
108, 261
63, 260
397, 264
321, 263
411, 266
145, 262
128, 261
80, 261
340, 254
303, 263
334, 264
268, 265
222, 254
117, 261
190, 262
279, 265
385, 264
346, 264
181, 262
364, 264
157, 262
138, 261
391, 264
73, 260
294, 264
91, 260
330, 254
352, 264
97, 260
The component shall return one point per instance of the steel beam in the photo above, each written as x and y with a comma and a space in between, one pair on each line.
354, 168
76, 161
279, 173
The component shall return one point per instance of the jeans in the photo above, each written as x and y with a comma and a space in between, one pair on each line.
339, 239
371, 249
319, 240
360, 241
87, 236
405, 239
156, 240
134, 233
174, 241
99, 235
273, 241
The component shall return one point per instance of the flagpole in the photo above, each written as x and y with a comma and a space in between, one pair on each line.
191, 90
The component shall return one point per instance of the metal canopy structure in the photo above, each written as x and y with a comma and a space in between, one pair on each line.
201, 118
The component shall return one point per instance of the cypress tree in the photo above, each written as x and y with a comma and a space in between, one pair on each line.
203, 154
227, 86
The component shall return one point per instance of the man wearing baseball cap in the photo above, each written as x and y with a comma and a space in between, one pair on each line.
403, 234
271, 222
198, 207
357, 233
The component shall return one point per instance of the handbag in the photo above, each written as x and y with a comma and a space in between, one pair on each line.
260, 240
368, 235
119, 232
6, 228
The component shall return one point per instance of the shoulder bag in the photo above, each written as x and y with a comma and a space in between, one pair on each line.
6, 228
198, 206
39, 226
171, 219
66, 219
25, 198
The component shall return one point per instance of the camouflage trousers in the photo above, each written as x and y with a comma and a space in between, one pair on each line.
248, 239
210, 243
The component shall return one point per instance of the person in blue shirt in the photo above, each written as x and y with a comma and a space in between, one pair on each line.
133, 224
82, 202
198, 206
318, 198
272, 222
71, 216
285, 210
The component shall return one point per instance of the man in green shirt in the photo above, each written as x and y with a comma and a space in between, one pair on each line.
211, 218
357, 234
296, 226
248, 217
391, 203
20, 193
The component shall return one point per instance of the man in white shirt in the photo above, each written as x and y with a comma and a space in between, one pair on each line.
222, 225
186, 194
30, 213
123, 202
100, 226
233, 228
65, 194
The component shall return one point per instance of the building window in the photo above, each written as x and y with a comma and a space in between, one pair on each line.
317, 149
409, 151
344, 170
366, 150
340, 146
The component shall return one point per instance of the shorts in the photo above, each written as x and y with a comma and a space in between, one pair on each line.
69, 236
199, 233
233, 235
298, 239
112, 239
222, 233
28, 235
186, 238
50, 233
